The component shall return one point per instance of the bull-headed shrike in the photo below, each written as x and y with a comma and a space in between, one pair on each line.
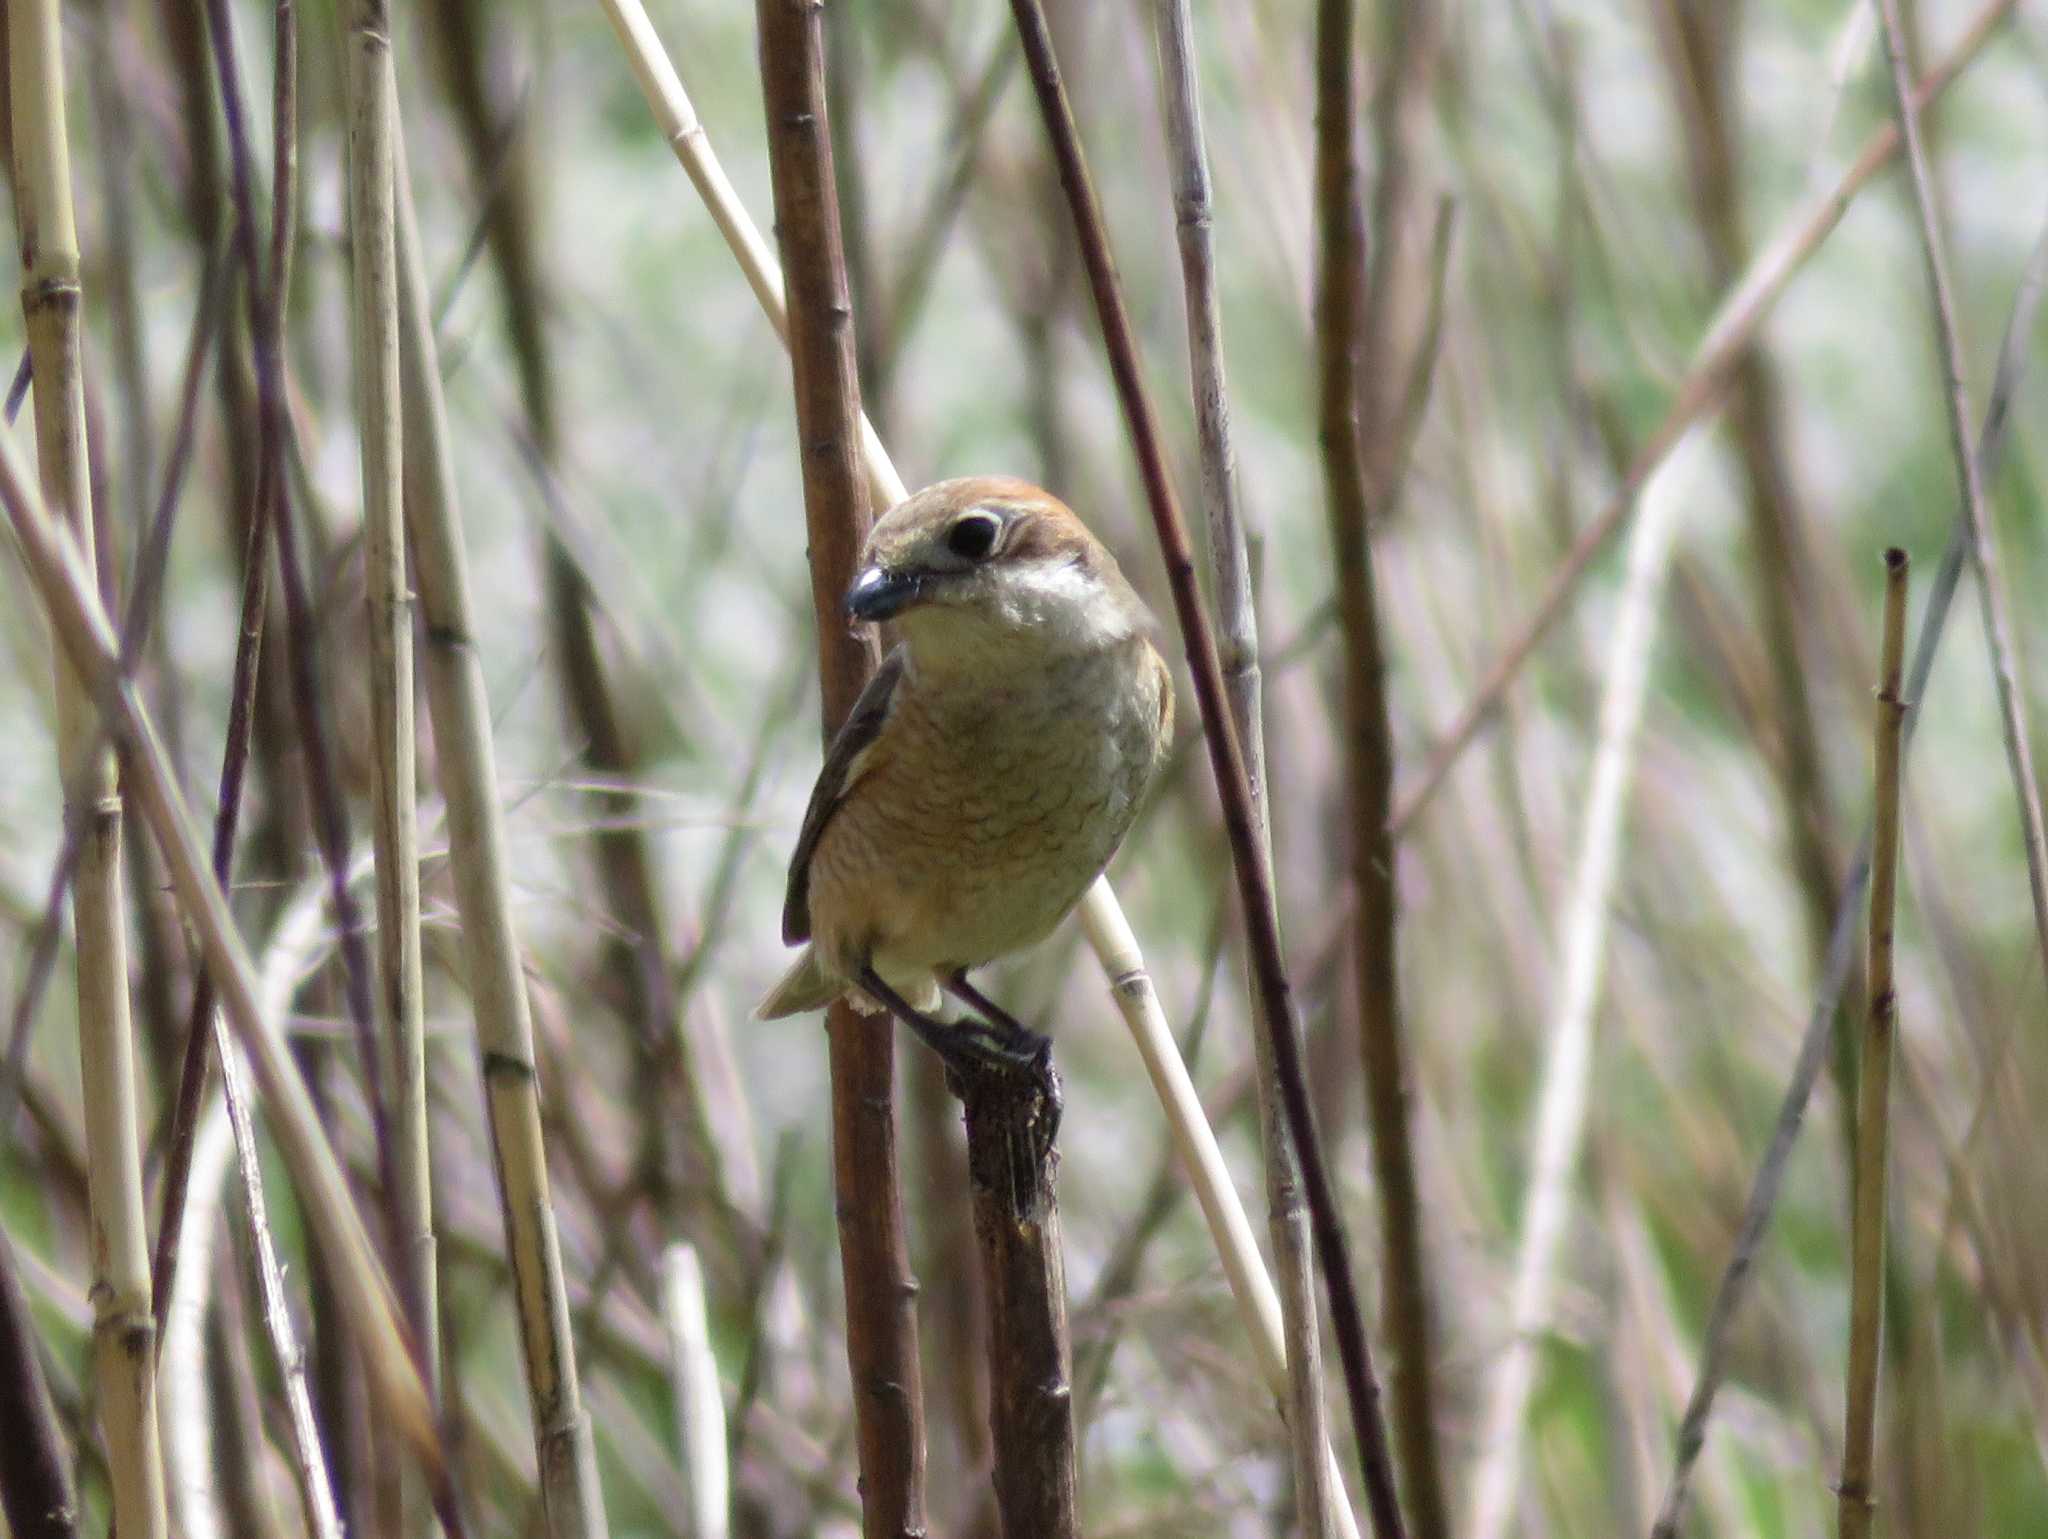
988, 771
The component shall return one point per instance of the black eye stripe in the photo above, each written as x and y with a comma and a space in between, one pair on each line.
973, 535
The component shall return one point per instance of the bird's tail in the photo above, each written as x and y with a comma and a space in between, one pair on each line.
804, 987
807, 986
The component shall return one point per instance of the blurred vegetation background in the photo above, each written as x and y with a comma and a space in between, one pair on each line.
621, 420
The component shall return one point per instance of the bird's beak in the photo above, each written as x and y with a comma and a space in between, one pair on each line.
879, 594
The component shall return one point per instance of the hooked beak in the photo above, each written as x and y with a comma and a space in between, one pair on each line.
878, 594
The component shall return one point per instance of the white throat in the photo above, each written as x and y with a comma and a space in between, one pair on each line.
1040, 612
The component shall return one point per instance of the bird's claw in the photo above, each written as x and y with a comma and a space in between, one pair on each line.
996, 1042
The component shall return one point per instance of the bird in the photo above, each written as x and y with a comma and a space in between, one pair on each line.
988, 771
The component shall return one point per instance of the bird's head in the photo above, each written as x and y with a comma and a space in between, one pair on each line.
991, 560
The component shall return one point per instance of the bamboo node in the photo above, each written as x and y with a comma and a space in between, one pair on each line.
57, 290
500, 1064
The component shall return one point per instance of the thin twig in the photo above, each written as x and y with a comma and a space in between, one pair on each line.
1873, 1095
912, 284
1227, 764
1728, 336
1994, 606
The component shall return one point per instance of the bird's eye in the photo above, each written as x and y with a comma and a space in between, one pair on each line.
973, 535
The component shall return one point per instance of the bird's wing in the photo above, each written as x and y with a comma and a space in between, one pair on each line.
844, 762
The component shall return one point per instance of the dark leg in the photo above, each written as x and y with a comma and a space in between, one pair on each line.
1019, 1036
968, 1047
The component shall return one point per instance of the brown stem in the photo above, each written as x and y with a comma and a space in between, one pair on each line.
1866, 1288
1360, 427
1227, 764
1011, 1122
881, 1333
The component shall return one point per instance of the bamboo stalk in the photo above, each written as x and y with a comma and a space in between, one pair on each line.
1102, 918
461, 710
881, 1319
87, 639
124, 1327
372, 133
1855, 1503
1230, 577
1994, 606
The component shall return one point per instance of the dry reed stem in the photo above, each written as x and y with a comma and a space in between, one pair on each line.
1728, 336
1306, 1415
1873, 1091
1360, 342
1225, 757
139, 632
700, 1404
124, 1326
1267, 963
456, 695
881, 1319
323, 1519
87, 639
293, 947
1563, 1101
1995, 607
1109, 932
372, 132
264, 295
1763, 1195
1251, 1288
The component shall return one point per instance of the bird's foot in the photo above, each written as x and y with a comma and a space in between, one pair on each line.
1029, 1048
1029, 1051
998, 1043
